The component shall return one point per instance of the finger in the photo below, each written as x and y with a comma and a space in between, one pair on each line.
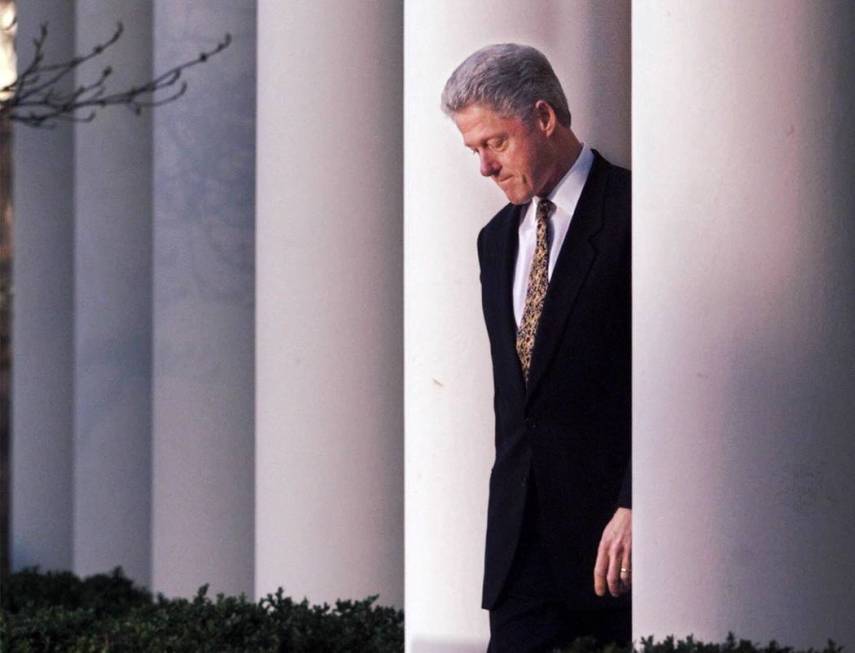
601, 567
627, 562
625, 573
613, 576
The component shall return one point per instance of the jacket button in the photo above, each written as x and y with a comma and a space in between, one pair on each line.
531, 423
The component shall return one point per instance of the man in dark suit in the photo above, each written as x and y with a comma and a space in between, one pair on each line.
555, 282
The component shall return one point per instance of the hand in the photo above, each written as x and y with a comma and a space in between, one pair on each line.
614, 555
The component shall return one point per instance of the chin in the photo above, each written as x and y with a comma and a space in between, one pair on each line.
518, 198
516, 195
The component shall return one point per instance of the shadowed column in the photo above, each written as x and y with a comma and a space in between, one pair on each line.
203, 313
112, 307
42, 334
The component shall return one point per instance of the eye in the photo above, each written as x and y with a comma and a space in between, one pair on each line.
497, 144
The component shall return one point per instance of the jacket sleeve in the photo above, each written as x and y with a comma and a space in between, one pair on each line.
625, 496
480, 253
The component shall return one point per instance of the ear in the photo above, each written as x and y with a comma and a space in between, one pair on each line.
545, 118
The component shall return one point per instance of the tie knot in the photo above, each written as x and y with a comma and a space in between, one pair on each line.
544, 208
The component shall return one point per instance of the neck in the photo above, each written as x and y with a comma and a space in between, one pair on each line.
567, 150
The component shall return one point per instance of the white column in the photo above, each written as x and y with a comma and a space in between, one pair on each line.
203, 303
43, 307
744, 314
112, 305
449, 407
329, 434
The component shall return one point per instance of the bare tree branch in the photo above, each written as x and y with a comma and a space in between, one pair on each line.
35, 97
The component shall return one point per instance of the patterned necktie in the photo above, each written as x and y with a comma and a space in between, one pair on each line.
538, 280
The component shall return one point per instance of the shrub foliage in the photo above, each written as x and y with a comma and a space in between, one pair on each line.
106, 613
691, 645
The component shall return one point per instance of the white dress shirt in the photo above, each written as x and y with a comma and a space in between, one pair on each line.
565, 196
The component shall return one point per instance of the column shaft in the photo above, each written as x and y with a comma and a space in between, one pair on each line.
744, 310
43, 315
329, 436
112, 305
203, 311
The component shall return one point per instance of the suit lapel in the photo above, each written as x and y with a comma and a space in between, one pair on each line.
577, 255
506, 260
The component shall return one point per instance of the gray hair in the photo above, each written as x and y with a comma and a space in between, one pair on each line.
507, 78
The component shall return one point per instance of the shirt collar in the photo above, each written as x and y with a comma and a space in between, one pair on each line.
566, 193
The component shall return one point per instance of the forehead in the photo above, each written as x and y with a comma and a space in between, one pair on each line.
478, 123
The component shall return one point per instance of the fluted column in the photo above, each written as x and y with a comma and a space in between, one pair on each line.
449, 407
329, 423
744, 311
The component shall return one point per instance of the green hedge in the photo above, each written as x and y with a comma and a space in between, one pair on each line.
691, 645
106, 612
57, 611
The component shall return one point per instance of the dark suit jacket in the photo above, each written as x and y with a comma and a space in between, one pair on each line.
569, 430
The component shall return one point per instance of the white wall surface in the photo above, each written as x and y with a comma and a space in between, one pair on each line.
744, 311
449, 416
329, 436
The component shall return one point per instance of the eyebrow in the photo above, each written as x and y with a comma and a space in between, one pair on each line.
486, 140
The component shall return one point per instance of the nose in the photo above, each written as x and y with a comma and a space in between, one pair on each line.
489, 166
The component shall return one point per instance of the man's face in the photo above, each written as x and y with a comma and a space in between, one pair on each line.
515, 155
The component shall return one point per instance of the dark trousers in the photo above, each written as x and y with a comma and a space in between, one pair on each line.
530, 616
